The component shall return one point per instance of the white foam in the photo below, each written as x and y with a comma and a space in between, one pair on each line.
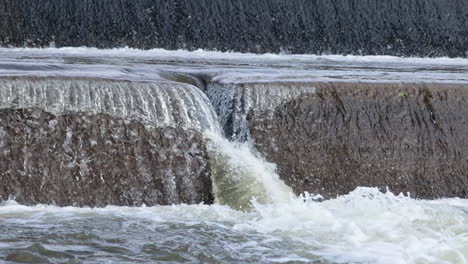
240, 174
368, 226
365, 226
185, 54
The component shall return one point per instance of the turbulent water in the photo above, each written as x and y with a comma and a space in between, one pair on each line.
240, 175
256, 218
365, 226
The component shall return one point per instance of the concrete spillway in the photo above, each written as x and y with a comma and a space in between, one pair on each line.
96, 142
99, 142
329, 138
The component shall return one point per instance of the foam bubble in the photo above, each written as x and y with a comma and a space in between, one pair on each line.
365, 226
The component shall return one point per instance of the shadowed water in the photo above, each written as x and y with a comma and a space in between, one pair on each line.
409, 28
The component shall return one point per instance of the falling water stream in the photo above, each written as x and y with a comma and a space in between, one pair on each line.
256, 218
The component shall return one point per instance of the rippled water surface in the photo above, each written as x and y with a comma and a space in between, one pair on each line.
365, 226
130, 64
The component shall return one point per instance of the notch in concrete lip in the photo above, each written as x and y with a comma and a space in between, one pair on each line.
192, 79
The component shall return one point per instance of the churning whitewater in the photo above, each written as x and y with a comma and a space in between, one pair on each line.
365, 226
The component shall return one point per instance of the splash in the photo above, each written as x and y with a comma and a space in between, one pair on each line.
241, 175
368, 226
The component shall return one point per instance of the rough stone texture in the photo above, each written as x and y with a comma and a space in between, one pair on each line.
396, 27
410, 138
86, 159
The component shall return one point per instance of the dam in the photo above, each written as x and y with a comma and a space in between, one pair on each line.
276, 147
365, 124
233, 131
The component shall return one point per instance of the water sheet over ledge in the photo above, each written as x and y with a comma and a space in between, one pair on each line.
94, 142
366, 27
136, 118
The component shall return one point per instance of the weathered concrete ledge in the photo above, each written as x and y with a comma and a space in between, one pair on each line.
85, 159
326, 138
92, 142
407, 137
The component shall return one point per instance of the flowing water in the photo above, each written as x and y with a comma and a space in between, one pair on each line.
256, 218
365, 226
154, 104
240, 175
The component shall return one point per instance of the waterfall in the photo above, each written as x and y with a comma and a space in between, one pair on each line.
95, 142
240, 174
233, 102
89, 128
155, 104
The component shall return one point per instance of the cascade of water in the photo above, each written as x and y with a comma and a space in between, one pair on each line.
238, 173
95, 142
228, 102
155, 104
233, 102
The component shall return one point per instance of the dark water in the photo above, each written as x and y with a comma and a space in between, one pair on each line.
368, 27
